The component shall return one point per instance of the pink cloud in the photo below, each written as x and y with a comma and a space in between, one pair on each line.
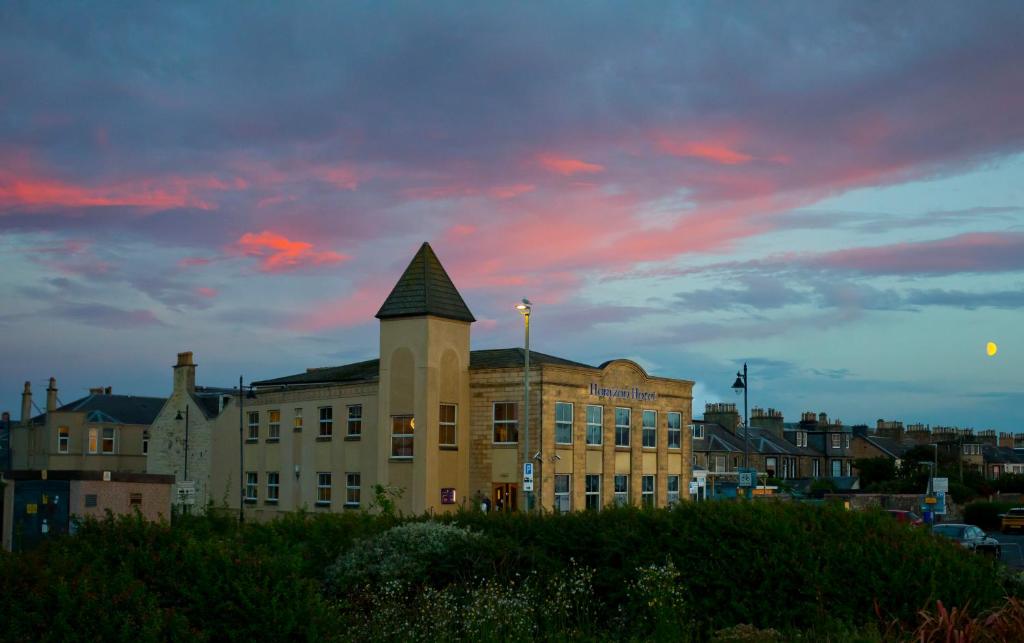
278, 253
706, 150
567, 166
208, 293
189, 262
972, 252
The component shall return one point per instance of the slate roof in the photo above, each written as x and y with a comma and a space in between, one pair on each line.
513, 357
717, 438
357, 372
893, 448
370, 369
113, 409
1001, 455
425, 289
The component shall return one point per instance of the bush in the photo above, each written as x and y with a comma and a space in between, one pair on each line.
985, 514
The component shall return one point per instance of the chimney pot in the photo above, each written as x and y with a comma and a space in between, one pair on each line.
51, 395
108, 390
26, 403
185, 359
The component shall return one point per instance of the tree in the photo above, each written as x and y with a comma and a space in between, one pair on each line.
872, 470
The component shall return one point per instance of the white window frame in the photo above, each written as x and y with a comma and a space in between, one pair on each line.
816, 467
627, 426
647, 496
252, 486
326, 424
562, 425
112, 438
399, 440
592, 496
351, 488
674, 434
563, 492
297, 419
846, 440
273, 428
774, 466
648, 433
508, 425
93, 445
253, 434
442, 425
621, 496
832, 467
599, 425
354, 421
323, 488
673, 494
63, 439
273, 486
697, 431
836, 441
145, 442
723, 461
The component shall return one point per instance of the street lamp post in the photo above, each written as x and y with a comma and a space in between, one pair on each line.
741, 385
525, 308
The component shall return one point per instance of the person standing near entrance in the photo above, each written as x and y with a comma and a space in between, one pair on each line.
485, 505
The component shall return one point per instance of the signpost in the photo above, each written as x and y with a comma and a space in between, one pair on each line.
187, 492
748, 477
527, 476
940, 484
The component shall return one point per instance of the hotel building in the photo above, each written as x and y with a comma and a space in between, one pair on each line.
435, 423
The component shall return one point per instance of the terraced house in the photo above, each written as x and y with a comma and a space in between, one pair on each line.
431, 423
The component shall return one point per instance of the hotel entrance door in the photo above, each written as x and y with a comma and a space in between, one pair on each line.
504, 497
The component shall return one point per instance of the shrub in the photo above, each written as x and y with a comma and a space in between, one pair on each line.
985, 514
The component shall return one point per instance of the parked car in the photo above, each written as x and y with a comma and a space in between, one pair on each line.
969, 537
1013, 520
908, 517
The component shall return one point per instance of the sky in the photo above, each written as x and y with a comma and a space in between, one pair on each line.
832, 193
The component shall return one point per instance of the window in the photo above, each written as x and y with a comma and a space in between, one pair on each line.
785, 468
647, 491
401, 436
563, 423
446, 425
90, 500
108, 440
145, 442
254, 426
326, 421
675, 430
837, 468
506, 422
562, 501
352, 487
697, 431
252, 480
355, 420
94, 441
621, 489
134, 499
274, 425
592, 491
297, 420
846, 440
816, 468
673, 490
649, 428
63, 439
972, 449
801, 438
323, 488
835, 440
595, 424
621, 427
721, 466
771, 465
273, 486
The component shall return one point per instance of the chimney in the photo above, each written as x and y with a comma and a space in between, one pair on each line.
96, 390
723, 414
185, 373
770, 420
108, 390
1006, 440
51, 395
26, 403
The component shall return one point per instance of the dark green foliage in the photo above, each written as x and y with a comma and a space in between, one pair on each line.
986, 514
872, 470
792, 567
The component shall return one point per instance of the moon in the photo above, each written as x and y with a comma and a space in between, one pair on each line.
991, 348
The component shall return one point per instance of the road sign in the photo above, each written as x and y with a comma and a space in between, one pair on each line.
527, 476
940, 484
746, 479
187, 492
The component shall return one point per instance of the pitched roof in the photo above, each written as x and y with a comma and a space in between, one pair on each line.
115, 409
425, 289
893, 448
513, 357
357, 372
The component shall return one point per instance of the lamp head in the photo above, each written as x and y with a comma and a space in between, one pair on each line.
524, 307
739, 384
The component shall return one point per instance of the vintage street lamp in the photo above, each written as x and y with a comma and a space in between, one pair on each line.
525, 308
740, 385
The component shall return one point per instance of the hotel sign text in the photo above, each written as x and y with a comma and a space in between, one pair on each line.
623, 393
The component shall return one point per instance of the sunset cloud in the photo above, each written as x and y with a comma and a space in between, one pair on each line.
278, 253
567, 166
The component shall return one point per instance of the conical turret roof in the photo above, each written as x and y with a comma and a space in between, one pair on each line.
425, 289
